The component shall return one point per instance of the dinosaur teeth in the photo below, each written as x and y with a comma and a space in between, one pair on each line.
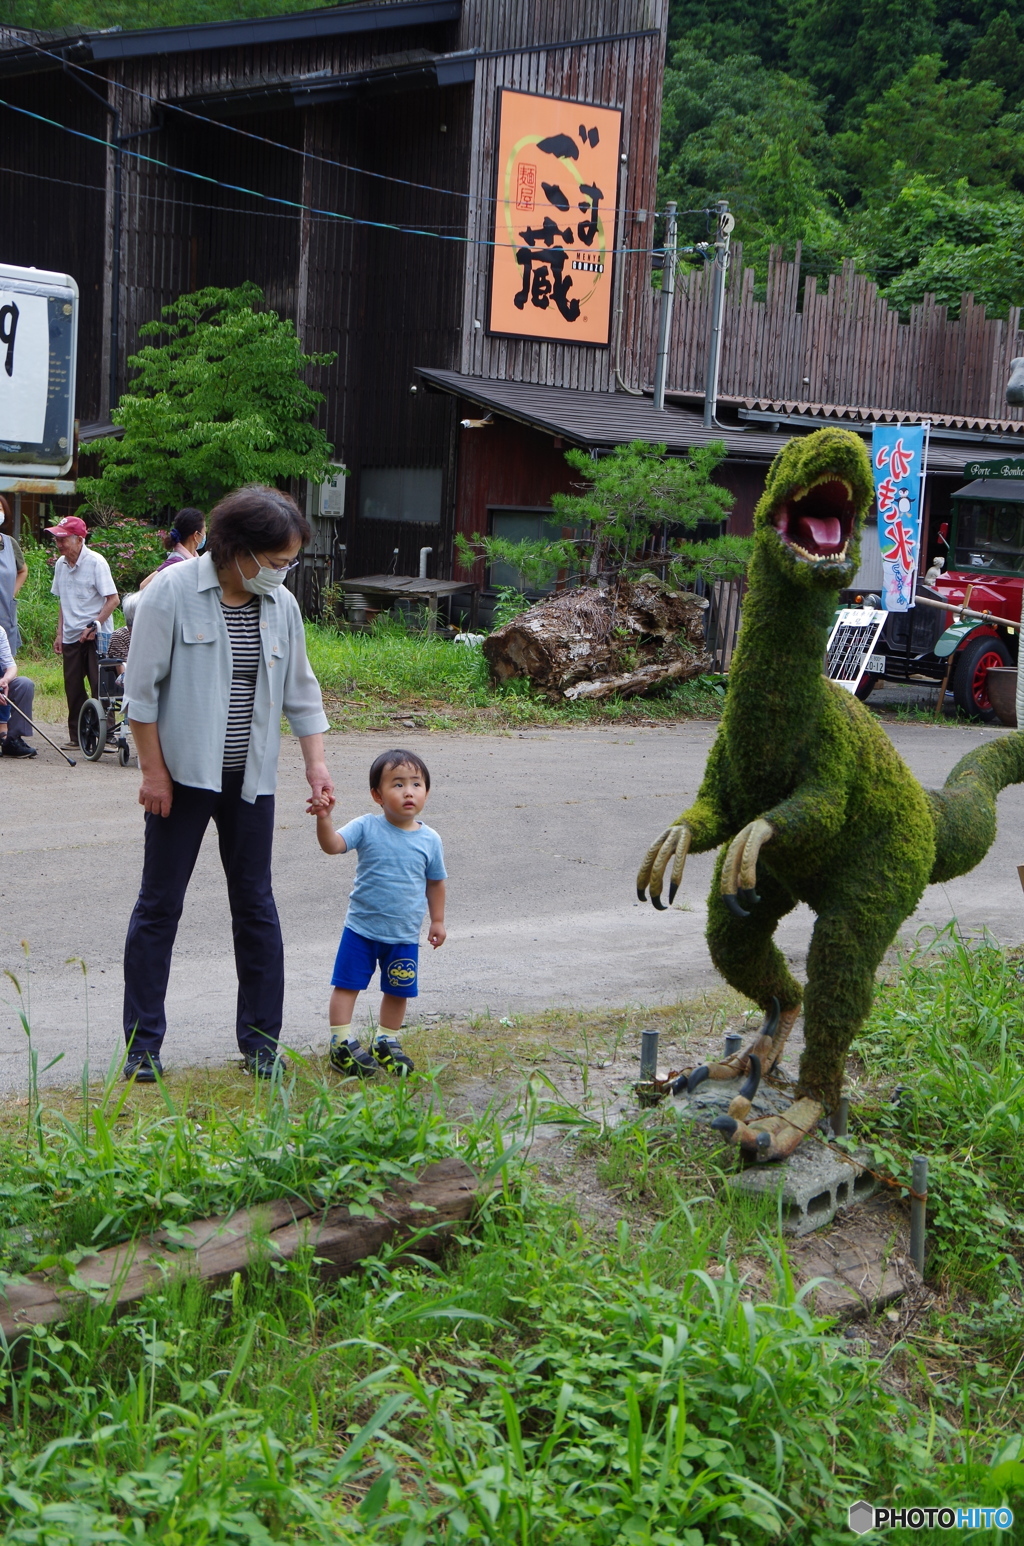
819, 558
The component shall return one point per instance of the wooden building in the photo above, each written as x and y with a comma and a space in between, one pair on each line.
350, 161
343, 159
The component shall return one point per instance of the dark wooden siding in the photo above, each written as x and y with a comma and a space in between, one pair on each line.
53, 204
626, 73
508, 466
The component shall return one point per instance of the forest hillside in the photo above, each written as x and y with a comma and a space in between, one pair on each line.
891, 134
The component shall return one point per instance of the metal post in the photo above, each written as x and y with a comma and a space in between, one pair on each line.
733, 1043
841, 1120
918, 1210
423, 562
668, 290
648, 1054
721, 265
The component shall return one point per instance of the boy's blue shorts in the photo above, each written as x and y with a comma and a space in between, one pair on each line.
357, 957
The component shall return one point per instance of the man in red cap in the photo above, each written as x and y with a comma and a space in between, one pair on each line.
84, 586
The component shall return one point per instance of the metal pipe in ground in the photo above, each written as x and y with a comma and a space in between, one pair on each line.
918, 1210
733, 1043
841, 1120
648, 1054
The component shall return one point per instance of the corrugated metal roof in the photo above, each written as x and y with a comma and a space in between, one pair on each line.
600, 420
19, 57
758, 406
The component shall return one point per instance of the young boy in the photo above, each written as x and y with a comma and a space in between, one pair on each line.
400, 873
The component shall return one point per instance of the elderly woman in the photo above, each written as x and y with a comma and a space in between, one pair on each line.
217, 655
183, 541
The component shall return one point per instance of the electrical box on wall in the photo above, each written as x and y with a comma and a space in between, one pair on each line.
332, 494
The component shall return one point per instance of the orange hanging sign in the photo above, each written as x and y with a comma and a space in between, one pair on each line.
556, 191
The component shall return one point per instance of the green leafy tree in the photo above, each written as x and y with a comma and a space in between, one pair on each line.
635, 500
851, 50
220, 403
928, 123
998, 57
733, 129
943, 240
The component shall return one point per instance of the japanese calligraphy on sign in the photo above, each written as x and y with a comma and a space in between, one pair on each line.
556, 191
897, 458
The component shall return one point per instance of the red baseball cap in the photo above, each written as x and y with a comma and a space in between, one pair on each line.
70, 526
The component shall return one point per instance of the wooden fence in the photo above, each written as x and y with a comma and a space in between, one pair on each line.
844, 345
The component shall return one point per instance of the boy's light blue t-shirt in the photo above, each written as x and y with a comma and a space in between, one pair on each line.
389, 897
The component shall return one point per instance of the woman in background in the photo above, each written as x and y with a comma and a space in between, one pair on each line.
184, 540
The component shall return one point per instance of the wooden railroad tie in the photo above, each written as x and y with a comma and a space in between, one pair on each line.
446, 1193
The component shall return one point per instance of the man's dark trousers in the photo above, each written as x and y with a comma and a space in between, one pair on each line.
245, 834
80, 661
22, 693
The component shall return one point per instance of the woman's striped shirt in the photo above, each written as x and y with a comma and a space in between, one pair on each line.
244, 633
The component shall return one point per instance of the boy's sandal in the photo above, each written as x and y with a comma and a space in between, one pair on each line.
388, 1052
348, 1057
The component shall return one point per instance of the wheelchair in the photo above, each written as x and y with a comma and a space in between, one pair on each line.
95, 732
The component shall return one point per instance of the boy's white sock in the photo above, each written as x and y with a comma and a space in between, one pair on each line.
340, 1033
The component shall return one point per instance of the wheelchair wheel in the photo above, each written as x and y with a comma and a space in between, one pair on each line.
92, 729
124, 756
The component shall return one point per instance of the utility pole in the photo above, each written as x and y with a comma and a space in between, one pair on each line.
726, 222
668, 290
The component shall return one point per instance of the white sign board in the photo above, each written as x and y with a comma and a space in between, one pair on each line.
38, 347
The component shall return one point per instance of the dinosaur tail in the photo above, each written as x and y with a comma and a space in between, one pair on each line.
964, 809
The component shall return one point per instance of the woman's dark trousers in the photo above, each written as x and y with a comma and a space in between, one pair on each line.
245, 833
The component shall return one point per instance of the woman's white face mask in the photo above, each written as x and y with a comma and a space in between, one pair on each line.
265, 581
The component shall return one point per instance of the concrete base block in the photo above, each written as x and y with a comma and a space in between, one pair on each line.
814, 1183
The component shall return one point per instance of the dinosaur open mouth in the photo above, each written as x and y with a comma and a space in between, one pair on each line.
816, 522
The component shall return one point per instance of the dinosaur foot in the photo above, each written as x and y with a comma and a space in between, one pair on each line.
773, 1138
767, 1046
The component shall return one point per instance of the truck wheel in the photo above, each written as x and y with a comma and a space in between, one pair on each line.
866, 686
977, 658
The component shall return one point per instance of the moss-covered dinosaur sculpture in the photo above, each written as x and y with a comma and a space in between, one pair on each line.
811, 798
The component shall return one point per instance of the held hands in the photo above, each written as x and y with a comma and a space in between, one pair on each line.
321, 804
321, 798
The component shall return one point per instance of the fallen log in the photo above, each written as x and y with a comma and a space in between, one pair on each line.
214, 1249
620, 636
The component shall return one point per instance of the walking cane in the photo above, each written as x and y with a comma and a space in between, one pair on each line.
69, 760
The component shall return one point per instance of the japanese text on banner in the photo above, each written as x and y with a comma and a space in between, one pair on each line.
897, 460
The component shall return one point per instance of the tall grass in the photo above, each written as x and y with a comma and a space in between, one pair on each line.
949, 1027
37, 609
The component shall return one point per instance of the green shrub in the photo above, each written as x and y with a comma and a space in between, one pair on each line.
37, 609
132, 548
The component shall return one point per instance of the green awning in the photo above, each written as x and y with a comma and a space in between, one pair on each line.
1001, 489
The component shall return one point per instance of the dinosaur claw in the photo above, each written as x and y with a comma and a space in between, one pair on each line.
748, 1089
697, 1078
749, 897
641, 893
673, 888
734, 907
771, 1019
727, 1125
658, 903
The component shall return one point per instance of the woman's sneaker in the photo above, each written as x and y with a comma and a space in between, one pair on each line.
388, 1052
349, 1058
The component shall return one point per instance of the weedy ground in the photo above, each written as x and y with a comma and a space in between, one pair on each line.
610, 1371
